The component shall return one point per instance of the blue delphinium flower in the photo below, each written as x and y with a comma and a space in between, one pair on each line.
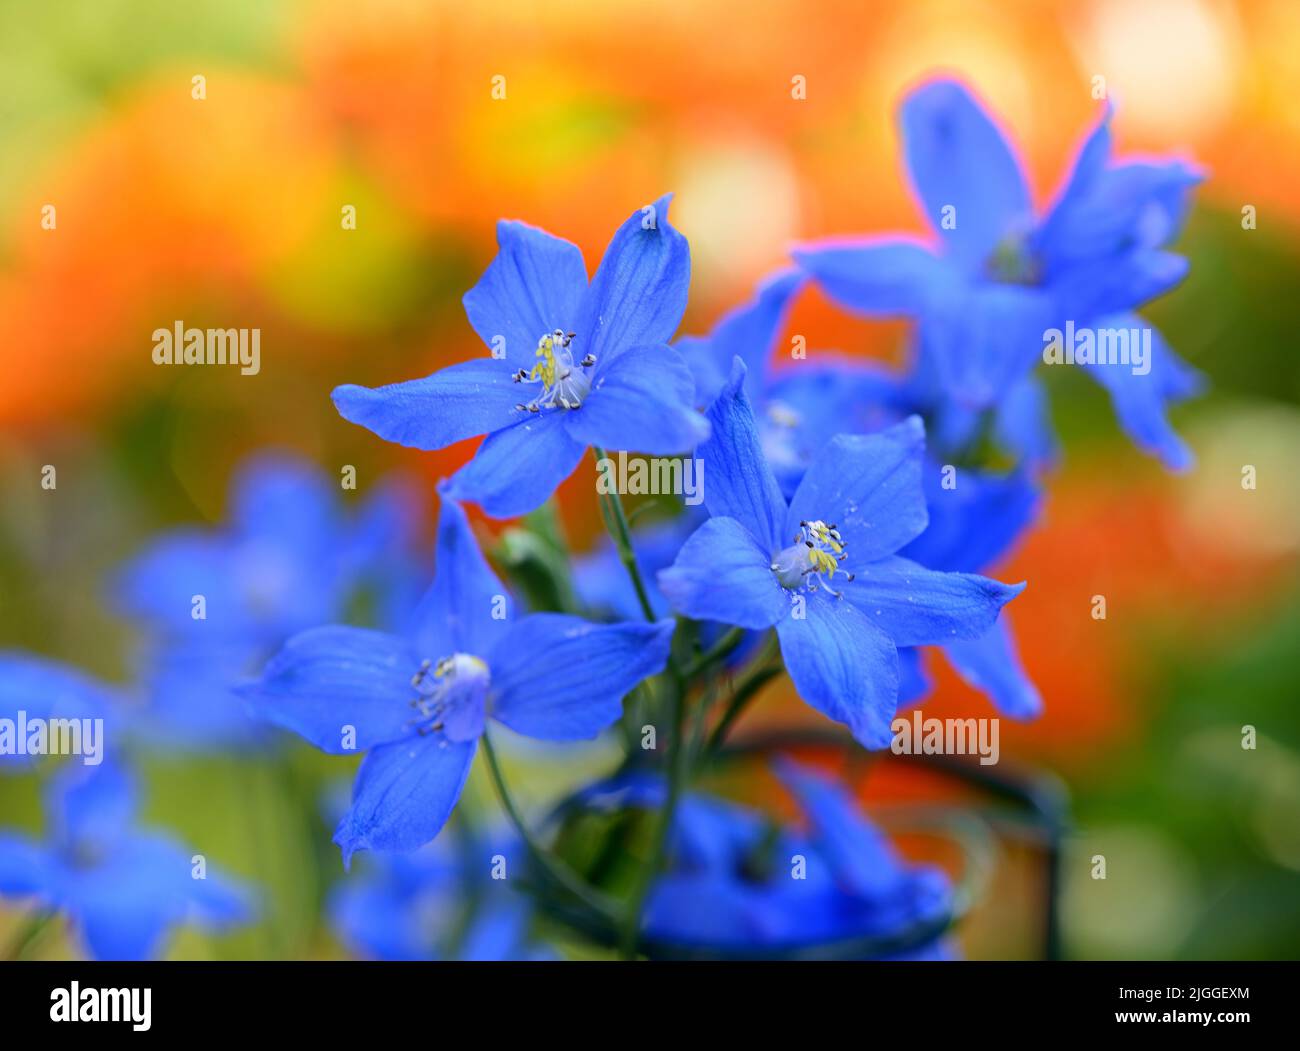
290, 557
999, 278
417, 703
43, 689
798, 409
573, 364
738, 884
413, 906
823, 569
121, 886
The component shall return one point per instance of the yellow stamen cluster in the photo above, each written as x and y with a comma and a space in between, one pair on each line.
545, 367
822, 560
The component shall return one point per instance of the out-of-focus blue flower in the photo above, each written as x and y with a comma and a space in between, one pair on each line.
440, 902
122, 887
291, 557
748, 332
798, 408
737, 883
974, 522
418, 702
573, 364
34, 688
1000, 278
823, 568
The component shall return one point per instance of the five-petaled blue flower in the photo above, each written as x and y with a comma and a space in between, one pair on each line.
822, 569
1001, 278
573, 364
419, 702
122, 887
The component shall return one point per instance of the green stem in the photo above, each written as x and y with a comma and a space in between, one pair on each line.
616, 521
646, 876
558, 872
717, 652
745, 692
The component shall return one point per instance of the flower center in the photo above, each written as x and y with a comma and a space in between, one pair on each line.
812, 560
451, 697
564, 383
1014, 263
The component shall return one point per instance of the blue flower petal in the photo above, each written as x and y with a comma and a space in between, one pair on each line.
992, 665
534, 286
748, 332
288, 501
561, 678
47, 689
986, 337
193, 700
723, 574
1141, 401
461, 401
113, 929
974, 522
499, 931
916, 606
807, 405
26, 868
738, 482
878, 277
869, 486
517, 469
404, 793
218, 902
374, 920
638, 295
467, 607
90, 807
843, 666
327, 680
1112, 284
913, 682
642, 401
158, 585
1023, 423
862, 858
1127, 206
124, 905
1050, 239
957, 158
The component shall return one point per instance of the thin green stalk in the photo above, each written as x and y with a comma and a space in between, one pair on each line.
719, 651
746, 691
616, 522
549, 864
646, 877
